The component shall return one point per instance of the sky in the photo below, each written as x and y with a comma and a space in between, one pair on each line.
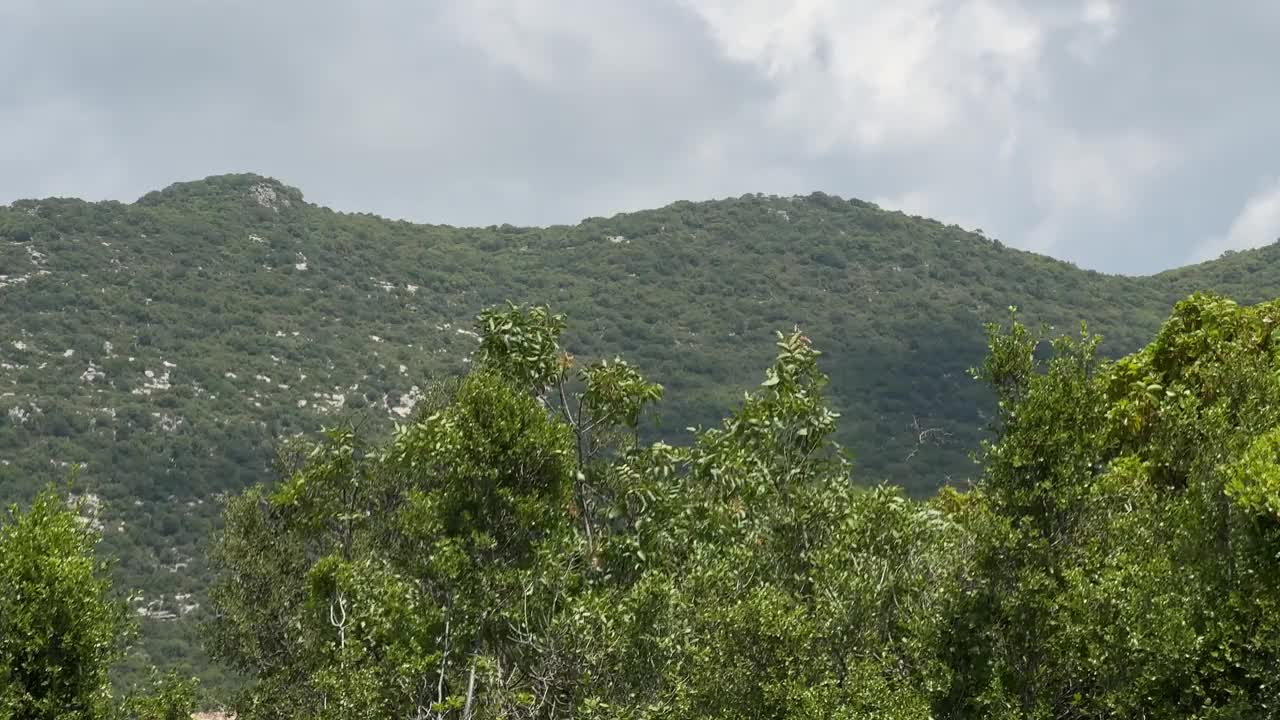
1125, 136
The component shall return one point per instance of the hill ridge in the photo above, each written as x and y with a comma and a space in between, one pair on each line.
246, 182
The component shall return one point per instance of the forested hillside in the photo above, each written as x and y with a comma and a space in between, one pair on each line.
165, 347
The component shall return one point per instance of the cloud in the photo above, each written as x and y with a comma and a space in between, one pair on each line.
1103, 174
1101, 18
1257, 224
873, 75
560, 44
926, 204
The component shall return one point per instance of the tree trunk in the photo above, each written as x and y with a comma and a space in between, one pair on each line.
471, 690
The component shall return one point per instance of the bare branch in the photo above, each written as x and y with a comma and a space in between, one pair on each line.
926, 436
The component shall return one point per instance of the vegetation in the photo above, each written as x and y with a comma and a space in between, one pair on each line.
169, 347
62, 627
1118, 557
516, 549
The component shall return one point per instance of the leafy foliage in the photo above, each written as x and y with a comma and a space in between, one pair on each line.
1127, 557
402, 564
1117, 558
62, 627
443, 574
167, 696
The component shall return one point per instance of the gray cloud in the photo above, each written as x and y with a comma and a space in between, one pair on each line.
1125, 136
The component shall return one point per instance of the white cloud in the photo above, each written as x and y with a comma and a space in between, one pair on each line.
1257, 224
1100, 12
553, 42
928, 204
868, 74
1100, 21
1105, 174
912, 202
1078, 180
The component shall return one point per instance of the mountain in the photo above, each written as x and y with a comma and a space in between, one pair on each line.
166, 346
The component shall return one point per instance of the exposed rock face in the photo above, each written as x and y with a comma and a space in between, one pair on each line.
92, 374
267, 197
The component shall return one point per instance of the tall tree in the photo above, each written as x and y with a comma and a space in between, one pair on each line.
423, 576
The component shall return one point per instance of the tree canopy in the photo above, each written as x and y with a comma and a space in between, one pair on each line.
62, 625
516, 549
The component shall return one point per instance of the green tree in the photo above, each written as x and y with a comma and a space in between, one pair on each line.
62, 626
751, 579
1126, 541
384, 581
167, 697
512, 550
516, 551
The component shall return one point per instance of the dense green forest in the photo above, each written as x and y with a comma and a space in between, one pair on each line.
158, 354
516, 549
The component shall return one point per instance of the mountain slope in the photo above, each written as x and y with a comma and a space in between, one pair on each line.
166, 344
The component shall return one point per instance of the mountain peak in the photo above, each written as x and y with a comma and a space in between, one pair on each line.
248, 189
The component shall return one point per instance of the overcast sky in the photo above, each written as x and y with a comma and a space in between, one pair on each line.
1127, 136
